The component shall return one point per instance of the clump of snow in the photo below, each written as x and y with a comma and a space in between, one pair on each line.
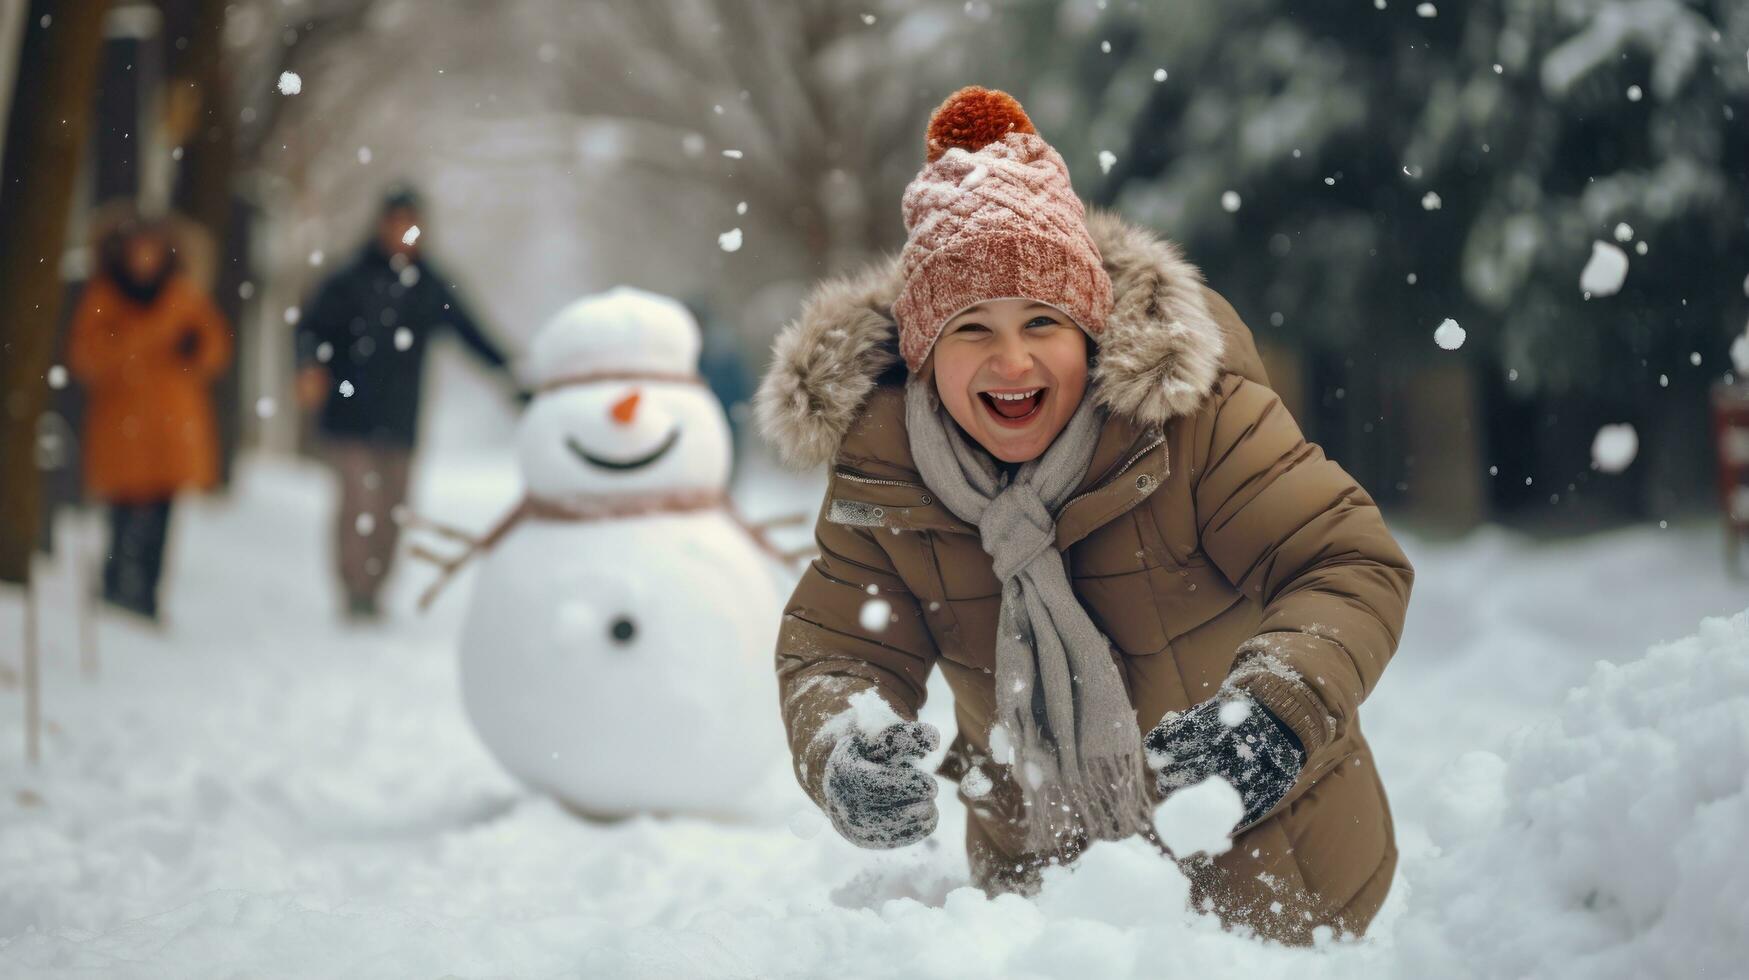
1199, 818
1449, 335
346, 389
290, 83
1159, 74
730, 241
1605, 271
1106, 160
875, 615
1740, 353
410, 236
976, 783
1624, 232
1230, 201
1233, 713
733, 154
1430, 201
1614, 447
1619, 846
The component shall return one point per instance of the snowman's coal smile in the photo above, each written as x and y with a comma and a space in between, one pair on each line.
622, 465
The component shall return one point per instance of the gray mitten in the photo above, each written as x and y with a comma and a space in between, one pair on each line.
1231, 736
876, 796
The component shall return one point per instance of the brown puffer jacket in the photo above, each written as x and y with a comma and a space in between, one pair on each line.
1208, 536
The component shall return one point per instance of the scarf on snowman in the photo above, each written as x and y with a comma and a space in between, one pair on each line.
1061, 706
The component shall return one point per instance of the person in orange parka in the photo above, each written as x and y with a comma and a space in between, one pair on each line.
146, 343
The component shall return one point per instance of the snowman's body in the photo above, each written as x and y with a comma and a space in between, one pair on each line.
620, 657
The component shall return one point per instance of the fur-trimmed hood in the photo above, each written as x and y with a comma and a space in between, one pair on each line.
1162, 350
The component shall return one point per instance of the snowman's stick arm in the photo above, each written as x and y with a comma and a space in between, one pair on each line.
447, 568
757, 531
416, 522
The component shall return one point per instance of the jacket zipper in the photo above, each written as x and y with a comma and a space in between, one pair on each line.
854, 478
1145, 450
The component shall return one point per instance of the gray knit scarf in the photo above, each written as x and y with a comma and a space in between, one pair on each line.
1061, 707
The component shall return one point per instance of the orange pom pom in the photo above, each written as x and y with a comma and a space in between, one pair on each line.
973, 118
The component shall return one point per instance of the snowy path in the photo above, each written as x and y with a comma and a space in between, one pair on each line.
261, 791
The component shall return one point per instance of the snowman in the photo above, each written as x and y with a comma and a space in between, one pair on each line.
617, 652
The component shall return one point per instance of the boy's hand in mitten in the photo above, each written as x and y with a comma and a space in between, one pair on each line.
876, 795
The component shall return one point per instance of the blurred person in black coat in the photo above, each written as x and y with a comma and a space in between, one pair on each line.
361, 346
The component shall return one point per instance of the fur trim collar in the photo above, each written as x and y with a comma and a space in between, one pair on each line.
1160, 354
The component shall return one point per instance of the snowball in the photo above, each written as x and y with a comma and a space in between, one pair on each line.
1159, 74
875, 615
1198, 819
1106, 159
730, 241
1605, 271
1449, 335
57, 377
1624, 232
1230, 201
1233, 713
403, 337
290, 83
1614, 447
1430, 201
411, 235
346, 389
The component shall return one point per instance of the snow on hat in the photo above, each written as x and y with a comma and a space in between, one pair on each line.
992, 216
624, 331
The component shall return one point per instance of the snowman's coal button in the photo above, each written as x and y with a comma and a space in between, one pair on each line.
623, 630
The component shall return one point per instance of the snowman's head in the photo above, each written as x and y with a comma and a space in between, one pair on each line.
610, 438
621, 408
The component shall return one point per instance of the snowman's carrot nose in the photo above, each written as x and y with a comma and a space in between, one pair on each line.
626, 409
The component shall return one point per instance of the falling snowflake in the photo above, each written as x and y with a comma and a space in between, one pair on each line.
875, 615
265, 406
1230, 201
1159, 74
1614, 447
1624, 232
1427, 10
1605, 271
869, 19
1430, 201
346, 389
730, 241
1106, 159
324, 352
403, 338
365, 524
1449, 335
741, 207
1634, 93
57, 377
733, 154
316, 257
290, 83
364, 154
411, 236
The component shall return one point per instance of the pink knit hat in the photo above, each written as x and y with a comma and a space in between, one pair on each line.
992, 216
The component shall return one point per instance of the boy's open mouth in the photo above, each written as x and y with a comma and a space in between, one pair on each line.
1013, 408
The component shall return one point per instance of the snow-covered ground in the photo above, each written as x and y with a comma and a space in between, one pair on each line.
261, 791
